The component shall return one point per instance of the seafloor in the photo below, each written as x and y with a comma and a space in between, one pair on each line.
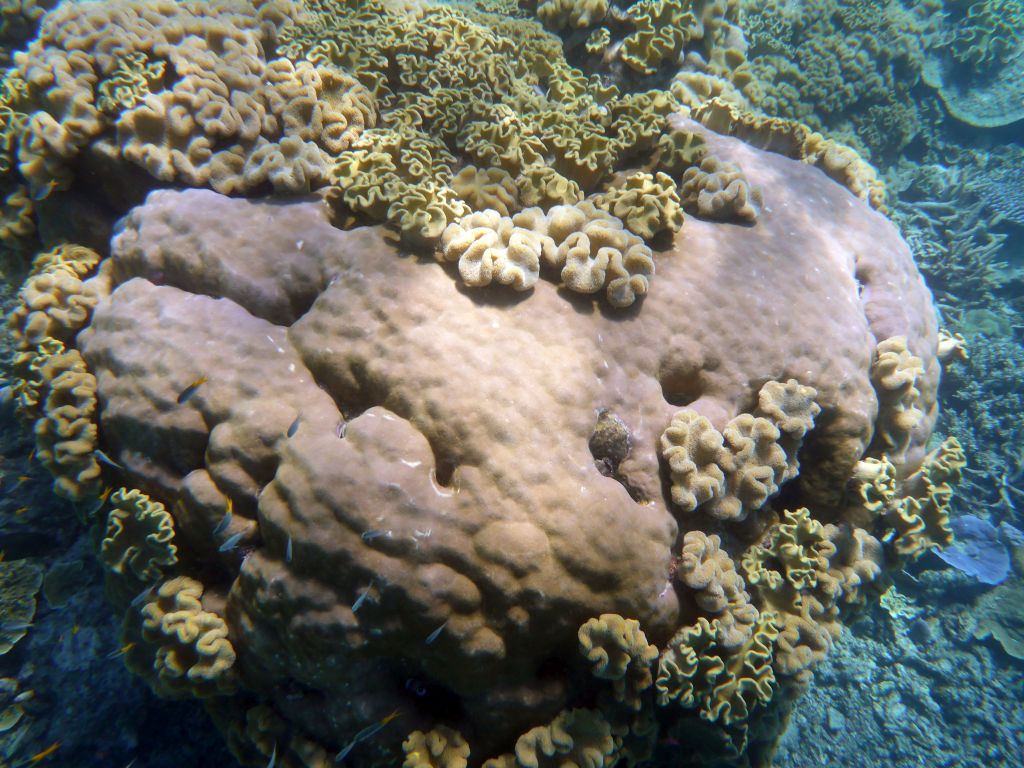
932, 94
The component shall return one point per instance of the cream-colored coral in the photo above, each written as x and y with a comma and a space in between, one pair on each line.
558, 14
590, 248
918, 519
719, 190
618, 651
440, 747
724, 685
66, 433
707, 570
139, 538
183, 649
894, 375
577, 738
648, 205
952, 347
489, 247
730, 473
595, 251
487, 189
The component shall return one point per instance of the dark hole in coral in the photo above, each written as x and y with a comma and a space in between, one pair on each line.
426, 697
444, 473
680, 382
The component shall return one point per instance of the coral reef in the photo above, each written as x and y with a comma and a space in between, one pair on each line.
560, 511
488, 542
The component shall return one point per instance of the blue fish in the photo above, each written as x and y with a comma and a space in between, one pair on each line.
288, 550
231, 542
225, 521
187, 393
101, 456
362, 598
435, 634
367, 732
294, 427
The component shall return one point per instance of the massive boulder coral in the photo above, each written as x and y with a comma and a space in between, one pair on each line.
382, 481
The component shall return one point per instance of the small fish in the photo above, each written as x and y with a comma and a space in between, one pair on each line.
24, 696
141, 597
44, 754
121, 651
340, 430
294, 427
225, 521
231, 542
102, 457
288, 550
20, 511
273, 757
367, 732
43, 192
22, 479
15, 626
362, 598
435, 634
374, 534
98, 505
188, 392
74, 629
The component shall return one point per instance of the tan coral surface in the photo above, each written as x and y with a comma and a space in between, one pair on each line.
407, 460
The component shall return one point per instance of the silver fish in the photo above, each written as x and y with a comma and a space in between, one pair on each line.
273, 757
288, 550
294, 427
435, 634
101, 456
231, 542
224, 523
374, 534
362, 598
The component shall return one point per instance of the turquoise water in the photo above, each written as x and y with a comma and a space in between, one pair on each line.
278, 600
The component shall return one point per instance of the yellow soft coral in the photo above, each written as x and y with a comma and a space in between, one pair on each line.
617, 650
139, 537
895, 374
724, 684
178, 646
730, 473
719, 190
648, 205
718, 590
440, 747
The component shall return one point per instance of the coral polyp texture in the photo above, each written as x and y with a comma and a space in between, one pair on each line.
481, 455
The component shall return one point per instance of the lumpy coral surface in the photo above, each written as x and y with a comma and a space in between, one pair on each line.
384, 479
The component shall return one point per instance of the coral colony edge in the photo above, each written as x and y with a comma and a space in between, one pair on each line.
470, 384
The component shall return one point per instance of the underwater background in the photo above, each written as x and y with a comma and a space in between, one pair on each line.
931, 94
